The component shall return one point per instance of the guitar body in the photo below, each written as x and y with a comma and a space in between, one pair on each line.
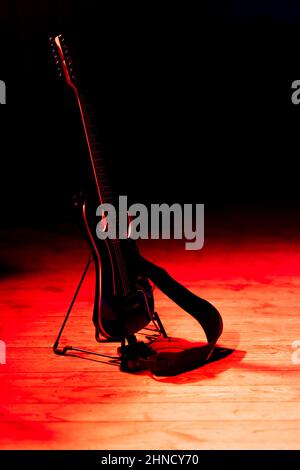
118, 312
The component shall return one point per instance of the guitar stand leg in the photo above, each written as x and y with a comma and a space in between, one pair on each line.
64, 350
160, 325
56, 349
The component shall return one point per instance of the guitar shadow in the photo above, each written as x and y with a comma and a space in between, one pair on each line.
221, 360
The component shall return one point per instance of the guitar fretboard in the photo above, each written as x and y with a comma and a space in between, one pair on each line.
101, 173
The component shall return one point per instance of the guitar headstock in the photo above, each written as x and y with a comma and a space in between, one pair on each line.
63, 60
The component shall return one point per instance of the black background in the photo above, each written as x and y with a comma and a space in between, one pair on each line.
193, 104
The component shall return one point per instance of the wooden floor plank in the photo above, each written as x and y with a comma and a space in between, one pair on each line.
141, 412
151, 435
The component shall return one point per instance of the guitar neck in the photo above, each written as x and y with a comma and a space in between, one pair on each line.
100, 173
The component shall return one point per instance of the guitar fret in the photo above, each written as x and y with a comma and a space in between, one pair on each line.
99, 164
99, 160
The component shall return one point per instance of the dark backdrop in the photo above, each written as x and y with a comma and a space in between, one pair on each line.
193, 104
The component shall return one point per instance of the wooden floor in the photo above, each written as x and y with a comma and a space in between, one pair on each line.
249, 400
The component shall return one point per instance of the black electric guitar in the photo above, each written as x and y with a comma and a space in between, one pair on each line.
124, 301
123, 297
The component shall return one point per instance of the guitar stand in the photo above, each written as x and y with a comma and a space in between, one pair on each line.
132, 350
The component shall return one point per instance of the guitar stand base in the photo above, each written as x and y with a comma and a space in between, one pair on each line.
134, 356
63, 352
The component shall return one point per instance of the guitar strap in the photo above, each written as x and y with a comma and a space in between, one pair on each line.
171, 356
